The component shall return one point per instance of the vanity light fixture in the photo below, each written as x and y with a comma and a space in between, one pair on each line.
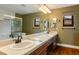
44, 8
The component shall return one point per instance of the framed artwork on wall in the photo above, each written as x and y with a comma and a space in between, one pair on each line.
68, 21
36, 22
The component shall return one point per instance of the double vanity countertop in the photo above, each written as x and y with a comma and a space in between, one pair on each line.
36, 39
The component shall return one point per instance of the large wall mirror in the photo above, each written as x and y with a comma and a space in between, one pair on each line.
5, 29
9, 27
16, 27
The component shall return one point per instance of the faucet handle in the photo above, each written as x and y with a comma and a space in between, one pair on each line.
11, 35
19, 37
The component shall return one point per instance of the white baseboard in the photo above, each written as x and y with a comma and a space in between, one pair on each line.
69, 46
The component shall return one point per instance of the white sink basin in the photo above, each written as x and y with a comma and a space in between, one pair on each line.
22, 45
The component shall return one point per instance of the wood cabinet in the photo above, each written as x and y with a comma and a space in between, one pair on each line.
42, 50
45, 48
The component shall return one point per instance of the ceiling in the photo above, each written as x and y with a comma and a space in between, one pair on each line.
29, 8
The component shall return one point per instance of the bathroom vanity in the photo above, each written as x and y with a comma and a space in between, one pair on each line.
34, 44
46, 47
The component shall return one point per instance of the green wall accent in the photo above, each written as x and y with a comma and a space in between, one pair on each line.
67, 36
28, 22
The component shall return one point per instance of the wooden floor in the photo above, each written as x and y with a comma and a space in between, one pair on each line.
64, 51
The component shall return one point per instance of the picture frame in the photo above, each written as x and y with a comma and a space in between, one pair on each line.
36, 22
68, 21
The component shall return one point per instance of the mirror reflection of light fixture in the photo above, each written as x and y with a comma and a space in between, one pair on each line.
44, 8
54, 20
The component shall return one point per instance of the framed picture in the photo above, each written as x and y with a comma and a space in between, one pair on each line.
68, 21
36, 22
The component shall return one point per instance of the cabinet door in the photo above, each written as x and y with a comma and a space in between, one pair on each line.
53, 44
42, 50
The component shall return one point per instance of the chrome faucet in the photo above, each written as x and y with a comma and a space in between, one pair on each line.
18, 40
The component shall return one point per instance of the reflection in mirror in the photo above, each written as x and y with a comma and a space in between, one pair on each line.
16, 27
10, 27
46, 24
53, 23
5, 29
36, 22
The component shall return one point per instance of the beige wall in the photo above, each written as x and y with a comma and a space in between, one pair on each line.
67, 36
